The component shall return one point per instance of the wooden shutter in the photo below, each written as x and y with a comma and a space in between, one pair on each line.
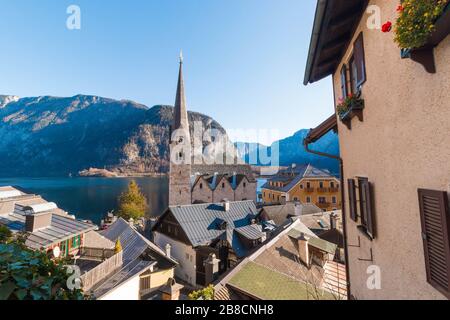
344, 81
434, 214
358, 55
352, 199
367, 213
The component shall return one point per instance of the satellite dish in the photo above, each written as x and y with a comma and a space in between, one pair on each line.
56, 252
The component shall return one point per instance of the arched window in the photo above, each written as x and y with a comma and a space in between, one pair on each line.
201, 185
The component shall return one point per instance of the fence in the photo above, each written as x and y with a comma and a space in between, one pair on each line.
92, 277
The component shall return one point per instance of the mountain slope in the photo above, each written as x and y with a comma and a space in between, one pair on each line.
50, 136
291, 150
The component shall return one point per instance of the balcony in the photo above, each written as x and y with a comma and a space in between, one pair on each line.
322, 190
333, 190
309, 190
323, 205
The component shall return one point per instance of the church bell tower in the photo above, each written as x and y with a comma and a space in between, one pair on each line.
180, 149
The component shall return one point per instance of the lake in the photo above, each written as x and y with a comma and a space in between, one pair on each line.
92, 198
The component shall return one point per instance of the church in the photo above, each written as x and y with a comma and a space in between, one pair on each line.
193, 183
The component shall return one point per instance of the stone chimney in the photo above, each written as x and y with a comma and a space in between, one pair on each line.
303, 250
298, 209
168, 250
211, 268
171, 291
226, 205
333, 221
37, 221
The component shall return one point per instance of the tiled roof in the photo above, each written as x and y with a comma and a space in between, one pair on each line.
294, 175
201, 222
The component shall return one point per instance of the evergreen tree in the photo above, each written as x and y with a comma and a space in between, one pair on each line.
132, 203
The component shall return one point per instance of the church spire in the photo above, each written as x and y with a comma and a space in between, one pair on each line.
180, 119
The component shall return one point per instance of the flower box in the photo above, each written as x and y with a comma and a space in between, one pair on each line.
425, 54
355, 109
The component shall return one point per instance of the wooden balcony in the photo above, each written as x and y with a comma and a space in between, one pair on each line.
309, 190
323, 205
322, 190
333, 190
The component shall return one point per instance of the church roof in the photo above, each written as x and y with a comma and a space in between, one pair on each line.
224, 169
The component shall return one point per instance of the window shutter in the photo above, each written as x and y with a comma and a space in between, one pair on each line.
352, 199
358, 54
367, 214
434, 214
344, 81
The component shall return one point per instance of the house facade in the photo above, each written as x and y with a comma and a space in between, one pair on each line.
304, 184
208, 239
394, 148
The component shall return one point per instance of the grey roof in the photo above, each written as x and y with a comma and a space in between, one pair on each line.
320, 221
292, 176
139, 254
60, 229
280, 213
201, 222
209, 170
251, 232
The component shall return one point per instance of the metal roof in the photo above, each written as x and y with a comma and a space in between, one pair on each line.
251, 232
201, 222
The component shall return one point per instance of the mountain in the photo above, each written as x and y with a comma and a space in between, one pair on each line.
291, 150
52, 136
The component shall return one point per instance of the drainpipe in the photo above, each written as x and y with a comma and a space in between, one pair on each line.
306, 143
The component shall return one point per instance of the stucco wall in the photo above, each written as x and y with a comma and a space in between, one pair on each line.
402, 145
245, 193
220, 193
186, 270
204, 194
127, 291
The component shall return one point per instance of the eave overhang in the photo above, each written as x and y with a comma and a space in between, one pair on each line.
334, 24
325, 127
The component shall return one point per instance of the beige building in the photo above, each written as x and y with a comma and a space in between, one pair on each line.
394, 148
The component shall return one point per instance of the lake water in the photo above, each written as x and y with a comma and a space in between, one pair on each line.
92, 198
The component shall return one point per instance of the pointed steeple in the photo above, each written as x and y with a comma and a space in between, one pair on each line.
180, 119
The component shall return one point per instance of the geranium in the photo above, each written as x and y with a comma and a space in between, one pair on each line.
387, 27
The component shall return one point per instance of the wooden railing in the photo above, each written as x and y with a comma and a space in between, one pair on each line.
92, 277
322, 190
309, 190
334, 190
96, 253
323, 205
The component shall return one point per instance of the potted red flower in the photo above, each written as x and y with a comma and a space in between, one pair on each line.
349, 107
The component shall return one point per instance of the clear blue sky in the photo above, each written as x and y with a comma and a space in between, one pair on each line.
244, 59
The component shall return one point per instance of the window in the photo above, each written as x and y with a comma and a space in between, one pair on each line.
301, 186
352, 199
245, 184
223, 185
344, 81
322, 200
435, 219
365, 204
321, 185
353, 74
295, 199
308, 185
333, 200
359, 64
332, 184
201, 185
308, 199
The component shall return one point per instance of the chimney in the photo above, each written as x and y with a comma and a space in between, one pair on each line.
303, 250
171, 291
168, 250
211, 268
333, 221
298, 209
37, 221
226, 205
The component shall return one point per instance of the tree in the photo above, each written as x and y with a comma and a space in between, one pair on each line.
204, 294
132, 203
5, 234
118, 247
32, 275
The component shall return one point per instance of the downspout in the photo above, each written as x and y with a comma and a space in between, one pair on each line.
306, 143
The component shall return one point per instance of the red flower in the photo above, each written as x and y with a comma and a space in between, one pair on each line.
350, 95
386, 27
400, 8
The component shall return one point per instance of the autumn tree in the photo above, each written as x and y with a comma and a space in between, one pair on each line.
132, 203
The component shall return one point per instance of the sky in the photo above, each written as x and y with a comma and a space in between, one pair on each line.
244, 60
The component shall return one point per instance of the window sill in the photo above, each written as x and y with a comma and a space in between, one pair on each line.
362, 229
355, 110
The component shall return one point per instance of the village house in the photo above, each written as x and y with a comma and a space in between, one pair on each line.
277, 215
293, 265
394, 142
192, 182
306, 184
208, 239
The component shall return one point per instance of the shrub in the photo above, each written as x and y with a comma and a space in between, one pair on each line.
204, 294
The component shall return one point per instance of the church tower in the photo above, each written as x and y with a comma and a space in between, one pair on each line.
180, 149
